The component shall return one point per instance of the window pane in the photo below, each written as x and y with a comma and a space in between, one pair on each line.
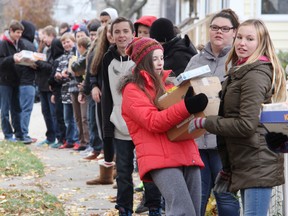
274, 7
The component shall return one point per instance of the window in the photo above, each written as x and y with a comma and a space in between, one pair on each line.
269, 7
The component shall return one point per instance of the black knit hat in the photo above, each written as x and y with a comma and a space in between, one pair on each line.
162, 30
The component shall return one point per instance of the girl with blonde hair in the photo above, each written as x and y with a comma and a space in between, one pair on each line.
255, 78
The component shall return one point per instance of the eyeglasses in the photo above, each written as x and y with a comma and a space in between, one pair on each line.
223, 28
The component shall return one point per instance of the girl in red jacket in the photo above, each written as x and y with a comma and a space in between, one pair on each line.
173, 166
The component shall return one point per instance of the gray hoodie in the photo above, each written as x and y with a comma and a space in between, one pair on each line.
217, 67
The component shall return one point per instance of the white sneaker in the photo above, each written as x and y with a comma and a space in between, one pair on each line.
100, 156
87, 151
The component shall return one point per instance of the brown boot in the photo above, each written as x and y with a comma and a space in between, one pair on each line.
106, 176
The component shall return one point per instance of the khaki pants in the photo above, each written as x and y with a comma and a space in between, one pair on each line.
81, 118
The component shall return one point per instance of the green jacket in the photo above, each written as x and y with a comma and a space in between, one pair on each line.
251, 162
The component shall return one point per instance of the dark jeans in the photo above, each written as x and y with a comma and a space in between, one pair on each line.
152, 195
94, 139
124, 165
227, 203
10, 103
59, 111
48, 112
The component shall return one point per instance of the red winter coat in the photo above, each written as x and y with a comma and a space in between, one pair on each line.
147, 127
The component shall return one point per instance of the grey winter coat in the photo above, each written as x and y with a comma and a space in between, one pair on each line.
251, 162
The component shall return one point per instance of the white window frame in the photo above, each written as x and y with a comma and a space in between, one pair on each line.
267, 17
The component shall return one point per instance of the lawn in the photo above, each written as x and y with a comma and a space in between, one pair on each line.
17, 160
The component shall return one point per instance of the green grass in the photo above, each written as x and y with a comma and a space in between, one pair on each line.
16, 202
16, 159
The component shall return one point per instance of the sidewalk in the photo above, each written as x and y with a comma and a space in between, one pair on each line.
65, 177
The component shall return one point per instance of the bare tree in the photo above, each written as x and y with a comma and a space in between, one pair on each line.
37, 11
127, 8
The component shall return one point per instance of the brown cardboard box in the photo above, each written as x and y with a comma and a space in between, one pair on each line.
207, 85
28, 57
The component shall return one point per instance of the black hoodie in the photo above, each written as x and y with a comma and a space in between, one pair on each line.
47, 68
177, 54
27, 74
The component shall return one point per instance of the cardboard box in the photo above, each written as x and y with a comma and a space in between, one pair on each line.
207, 85
28, 58
187, 75
274, 117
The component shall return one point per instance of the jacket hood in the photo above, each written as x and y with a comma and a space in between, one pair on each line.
179, 44
112, 13
56, 48
144, 20
112, 50
29, 30
7, 37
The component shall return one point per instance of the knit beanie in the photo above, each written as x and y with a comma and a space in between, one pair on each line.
140, 47
162, 30
112, 13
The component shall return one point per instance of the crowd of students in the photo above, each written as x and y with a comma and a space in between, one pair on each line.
99, 91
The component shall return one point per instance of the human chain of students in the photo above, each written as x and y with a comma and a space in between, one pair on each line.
99, 86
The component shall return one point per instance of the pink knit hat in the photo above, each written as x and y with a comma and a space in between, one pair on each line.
140, 47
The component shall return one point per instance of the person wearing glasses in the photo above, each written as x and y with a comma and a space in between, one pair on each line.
223, 26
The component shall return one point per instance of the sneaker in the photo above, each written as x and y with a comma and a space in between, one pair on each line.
26, 140
66, 145
124, 212
100, 156
87, 151
12, 139
45, 142
141, 208
91, 156
81, 148
140, 187
154, 212
56, 145
76, 146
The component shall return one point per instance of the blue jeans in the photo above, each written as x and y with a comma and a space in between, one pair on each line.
256, 201
59, 111
94, 139
124, 166
227, 203
9, 97
26, 95
48, 112
71, 127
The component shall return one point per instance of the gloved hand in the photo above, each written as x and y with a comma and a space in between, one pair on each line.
196, 103
222, 182
196, 123
277, 142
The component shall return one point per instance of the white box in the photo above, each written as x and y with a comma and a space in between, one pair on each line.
187, 75
29, 58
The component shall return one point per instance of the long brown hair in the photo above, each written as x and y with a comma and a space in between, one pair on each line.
101, 48
158, 86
